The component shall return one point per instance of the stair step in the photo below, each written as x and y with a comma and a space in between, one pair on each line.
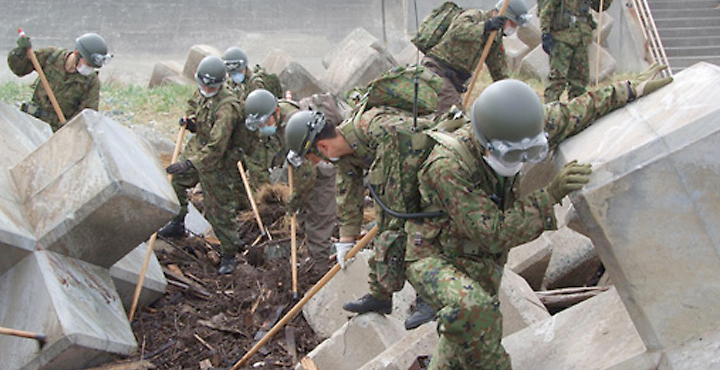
688, 22
677, 5
706, 51
685, 13
680, 63
690, 41
688, 32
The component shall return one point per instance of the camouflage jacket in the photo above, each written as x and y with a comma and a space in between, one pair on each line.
73, 91
241, 90
221, 137
570, 21
461, 47
484, 218
382, 140
269, 150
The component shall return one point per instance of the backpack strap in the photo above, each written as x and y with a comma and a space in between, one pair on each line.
450, 142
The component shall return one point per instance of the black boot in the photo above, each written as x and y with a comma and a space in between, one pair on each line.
227, 263
421, 313
173, 229
368, 303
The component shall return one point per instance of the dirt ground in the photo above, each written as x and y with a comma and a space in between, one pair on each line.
207, 321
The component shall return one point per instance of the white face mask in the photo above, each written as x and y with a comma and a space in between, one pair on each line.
208, 94
268, 130
333, 159
85, 70
510, 31
502, 169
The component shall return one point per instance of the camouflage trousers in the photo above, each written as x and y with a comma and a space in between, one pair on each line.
223, 197
469, 317
569, 68
387, 265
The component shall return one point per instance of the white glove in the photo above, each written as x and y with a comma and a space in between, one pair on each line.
341, 249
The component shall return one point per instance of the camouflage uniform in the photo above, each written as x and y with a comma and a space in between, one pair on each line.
455, 262
241, 90
457, 54
382, 139
571, 25
73, 91
214, 151
269, 152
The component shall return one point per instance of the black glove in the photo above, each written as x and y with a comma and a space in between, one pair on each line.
547, 42
189, 124
495, 23
179, 167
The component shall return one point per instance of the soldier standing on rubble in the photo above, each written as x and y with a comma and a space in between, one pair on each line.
456, 262
567, 28
210, 158
458, 52
70, 74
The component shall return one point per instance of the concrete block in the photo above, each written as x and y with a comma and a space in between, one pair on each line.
357, 342
530, 34
356, 65
293, 76
699, 353
359, 35
418, 342
530, 260
324, 312
652, 206
410, 55
519, 305
643, 361
536, 64
574, 261
94, 191
73, 303
195, 55
604, 25
515, 51
594, 334
195, 222
126, 272
167, 72
606, 65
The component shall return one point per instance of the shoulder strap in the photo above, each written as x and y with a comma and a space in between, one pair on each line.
457, 146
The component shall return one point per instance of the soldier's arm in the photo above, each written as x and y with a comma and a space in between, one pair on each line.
21, 65
477, 216
496, 61
546, 15
563, 120
91, 97
350, 198
210, 156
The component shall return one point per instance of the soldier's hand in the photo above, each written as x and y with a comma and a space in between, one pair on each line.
189, 124
179, 167
342, 248
572, 177
23, 42
548, 43
495, 23
645, 83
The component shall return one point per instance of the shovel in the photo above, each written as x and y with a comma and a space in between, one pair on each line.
24, 334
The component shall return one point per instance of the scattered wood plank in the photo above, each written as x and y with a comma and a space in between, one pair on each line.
308, 364
192, 286
134, 365
559, 299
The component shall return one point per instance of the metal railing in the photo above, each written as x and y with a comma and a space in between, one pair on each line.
647, 23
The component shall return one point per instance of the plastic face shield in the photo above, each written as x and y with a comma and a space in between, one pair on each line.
531, 150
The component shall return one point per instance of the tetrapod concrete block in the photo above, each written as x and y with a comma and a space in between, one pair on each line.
530, 34
293, 76
167, 72
73, 303
515, 51
652, 207
574, 261
530, 260
195, 55
519, 305
400, 356
357, 65
359, 35
126, 272
594, 334
93, 191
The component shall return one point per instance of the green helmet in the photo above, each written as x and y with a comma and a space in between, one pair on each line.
517, 11
300, 132
93, 49
211, 71
235, 59
260, 104
508, 120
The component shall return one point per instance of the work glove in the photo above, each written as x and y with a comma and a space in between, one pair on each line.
179, 167
645, 84
189, 124
548, 43
495, 23
23, 42
341, 249
572, 177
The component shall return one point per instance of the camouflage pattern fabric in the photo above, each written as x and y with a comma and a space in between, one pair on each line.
214, 151
464, 252
241, 90
73, 91
571, 25
262, 79
396, 88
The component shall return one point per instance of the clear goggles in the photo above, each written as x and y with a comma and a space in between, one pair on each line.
523, 20
99, 60
531, 150
254, 121
209, 80
235, 65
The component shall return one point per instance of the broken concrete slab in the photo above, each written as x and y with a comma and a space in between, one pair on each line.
167, 72
530, 260
126, 272
652, 207
93, 191
293, 76
324, 312
400, 356
519, 305
73, 303
356, 65
357, 342
537, 64
594, 334
195, 55
574, 261
515, 51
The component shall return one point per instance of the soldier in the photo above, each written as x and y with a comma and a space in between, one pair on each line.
264, 113
211, 157
455, 262
458, 52
567, 27
70, 74
236, 62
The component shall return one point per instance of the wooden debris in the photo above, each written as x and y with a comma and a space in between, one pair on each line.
560, 299
224, 328
192, 286
308, 364
134, 365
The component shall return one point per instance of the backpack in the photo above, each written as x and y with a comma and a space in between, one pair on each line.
434, 26
262, 79
334, 109
396, 88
